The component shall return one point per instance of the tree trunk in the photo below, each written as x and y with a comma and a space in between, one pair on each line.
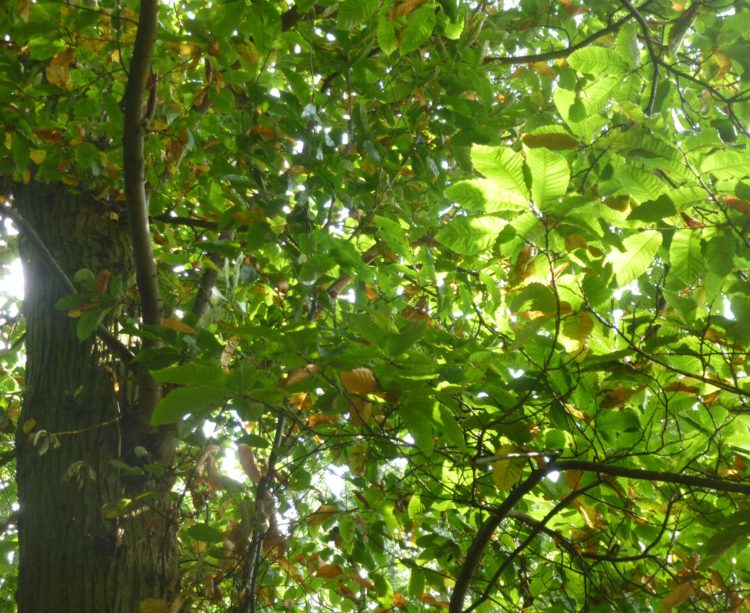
73, 557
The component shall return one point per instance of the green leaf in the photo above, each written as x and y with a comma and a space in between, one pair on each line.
685, 256
386, 33
205, 532
394, 236
355, 12
727, 164
418, 28
550, 176
183, 400
503, 166
485, 196
597, 61
193, 373
416, 414
470, 235
21, 152
507, 472
88, 322
640, 250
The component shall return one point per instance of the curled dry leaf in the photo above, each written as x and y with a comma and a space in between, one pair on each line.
246, 458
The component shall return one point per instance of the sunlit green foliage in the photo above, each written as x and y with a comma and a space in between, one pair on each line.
454, 242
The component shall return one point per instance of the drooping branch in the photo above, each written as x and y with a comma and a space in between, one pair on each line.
135, 120
109, 340
487, 529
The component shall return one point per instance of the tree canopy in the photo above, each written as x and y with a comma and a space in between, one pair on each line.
450, 302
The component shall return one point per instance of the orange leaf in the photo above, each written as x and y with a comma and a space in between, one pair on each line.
58, 69
359, 381
741, 206
102, 281
173, 323
301, 400
246, 458
329, 571
399, 600
321, 418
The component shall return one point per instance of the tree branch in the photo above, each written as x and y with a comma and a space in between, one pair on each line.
134, 131
487, 529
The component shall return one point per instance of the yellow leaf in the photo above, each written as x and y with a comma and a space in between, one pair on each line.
591, 516
153, 605
573, 478
172, 323
58, 69
680, 594
543, 68
38, 155
359, 381
507, 472
246, 458
323, 513
29, 425
360, 411
329, 571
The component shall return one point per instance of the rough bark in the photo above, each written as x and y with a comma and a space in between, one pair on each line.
72, 558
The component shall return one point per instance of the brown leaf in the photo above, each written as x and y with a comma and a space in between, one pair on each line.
24, 9
359, 381
742, 206
680, 594
246, 458
405, 7
102, 281
329, 571
58, 69
298, 375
